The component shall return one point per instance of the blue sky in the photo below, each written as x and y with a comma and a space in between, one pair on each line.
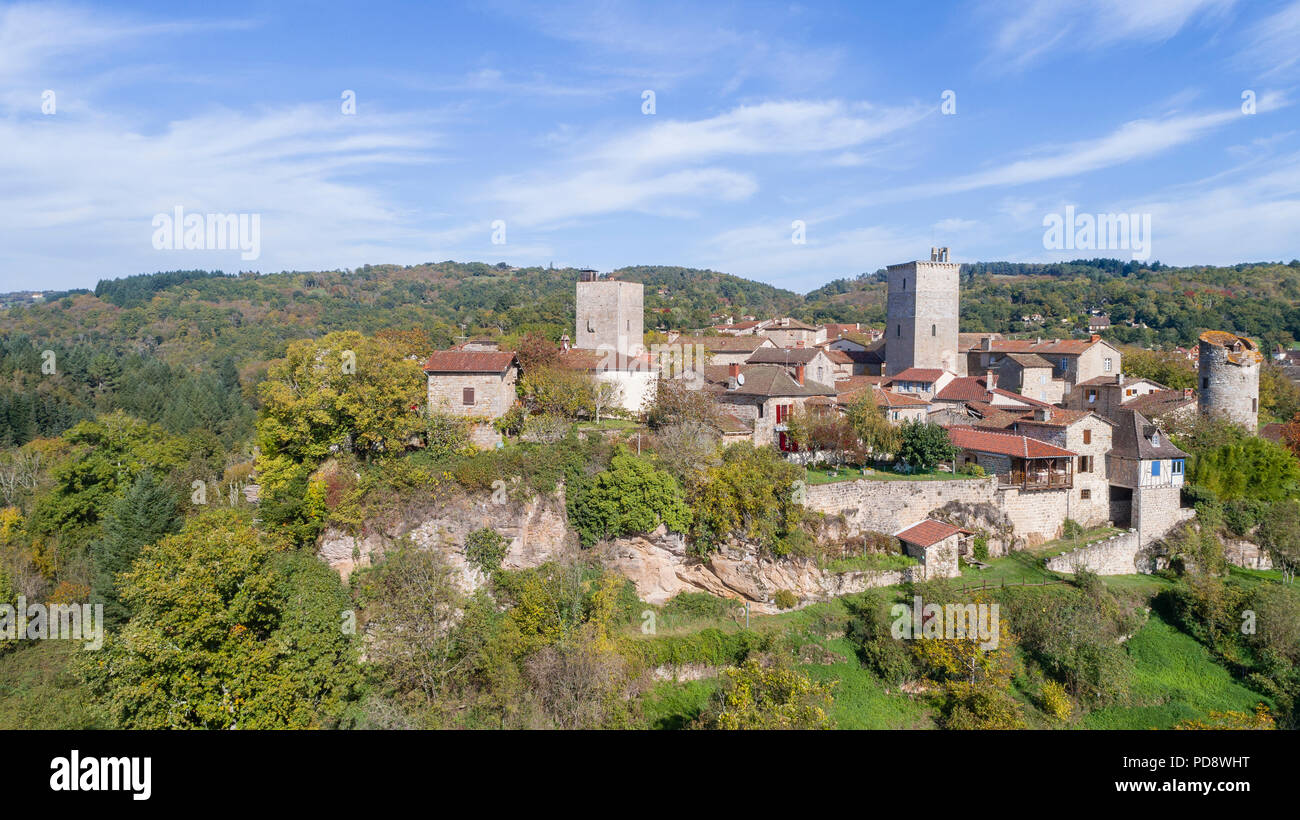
829, 114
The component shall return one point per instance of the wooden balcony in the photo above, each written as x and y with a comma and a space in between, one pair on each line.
1045, 479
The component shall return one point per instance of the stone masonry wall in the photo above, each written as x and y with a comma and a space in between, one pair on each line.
1117, 555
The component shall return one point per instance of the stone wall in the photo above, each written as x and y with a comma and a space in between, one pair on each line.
1117, 555
494, 393
878, 505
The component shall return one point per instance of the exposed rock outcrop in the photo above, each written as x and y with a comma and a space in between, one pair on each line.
536, 529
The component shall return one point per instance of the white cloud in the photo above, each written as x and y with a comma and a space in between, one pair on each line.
657, 168
1030, 29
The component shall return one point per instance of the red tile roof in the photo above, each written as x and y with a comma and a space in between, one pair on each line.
1005, 444
918, 374
469, 361
964, 388
1070, 347
928, 533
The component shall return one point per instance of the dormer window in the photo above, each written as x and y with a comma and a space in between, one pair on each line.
1155, 439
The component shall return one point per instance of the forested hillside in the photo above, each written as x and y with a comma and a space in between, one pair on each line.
174, 348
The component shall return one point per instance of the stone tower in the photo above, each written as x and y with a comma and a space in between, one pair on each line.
922, 327
1229, 378
610, 315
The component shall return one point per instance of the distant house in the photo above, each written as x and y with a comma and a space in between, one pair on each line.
786, 332
867, 353
726, 349
1030, 375
896, 407
817, 365
920, 381
1107, 394
1073, 360
475, 383
1098, 323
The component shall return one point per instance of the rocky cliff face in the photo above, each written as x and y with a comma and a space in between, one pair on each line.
661, 568
657, 563
537, 530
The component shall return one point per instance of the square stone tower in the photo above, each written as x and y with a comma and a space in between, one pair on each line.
923, 305
610, 315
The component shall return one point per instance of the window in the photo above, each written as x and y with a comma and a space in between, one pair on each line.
1087, 437
1130, 392
1155, 469
898, 330
1205, 383
1106, 365
760, 411
1065, 364
1176, 467
1254, 405
934, 330
1084, 495
467, 396
1092, 395
904, 283
1042, 379
1085, 464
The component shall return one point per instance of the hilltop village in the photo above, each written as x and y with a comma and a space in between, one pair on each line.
1043, 432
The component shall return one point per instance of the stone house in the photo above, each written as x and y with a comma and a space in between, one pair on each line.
1107, 394
937, 545
764, 396
1089, 436
727, 349
1030, 375
1146, 477
920, 381
787, 332
817, 365
1073, 360
897, 407
1018, 461
867, 353
476, 383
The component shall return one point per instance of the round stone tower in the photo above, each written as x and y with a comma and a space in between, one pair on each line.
1229, 378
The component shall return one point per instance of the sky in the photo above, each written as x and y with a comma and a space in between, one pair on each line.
788, 143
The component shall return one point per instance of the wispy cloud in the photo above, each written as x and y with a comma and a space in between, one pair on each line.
658, 168
1029, 30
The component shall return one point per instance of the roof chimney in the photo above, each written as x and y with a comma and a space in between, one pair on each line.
798, 343
988, 342
991, 379
1043, 414
1188, 392
798, 374
934, 254
733, 376
1094, 338
564, 343
1119, 379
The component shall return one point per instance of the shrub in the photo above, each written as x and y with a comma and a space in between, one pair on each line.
785, 599
1071, 529
1055, 701
485, 548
